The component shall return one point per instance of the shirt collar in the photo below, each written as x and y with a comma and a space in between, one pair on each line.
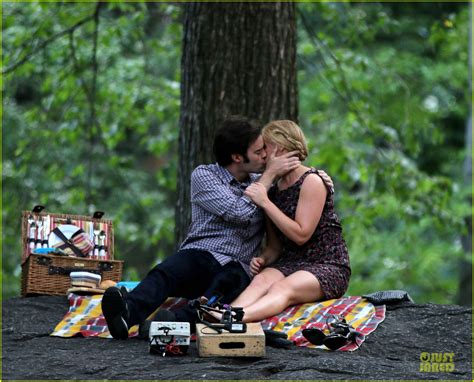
229, 178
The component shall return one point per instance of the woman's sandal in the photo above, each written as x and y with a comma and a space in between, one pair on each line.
219, 313
209, 316
340, 334
314, 336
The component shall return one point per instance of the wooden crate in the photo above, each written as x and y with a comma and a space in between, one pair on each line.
49, 274
225, 344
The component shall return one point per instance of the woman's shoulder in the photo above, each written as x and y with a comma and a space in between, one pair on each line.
313, 190
310, 173
312, 180
323, 179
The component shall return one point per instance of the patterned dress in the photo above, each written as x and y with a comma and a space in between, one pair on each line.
325, 254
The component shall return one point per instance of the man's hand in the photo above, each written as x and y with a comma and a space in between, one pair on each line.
256, 265
278, 166
281, 164
258, 193
327, 179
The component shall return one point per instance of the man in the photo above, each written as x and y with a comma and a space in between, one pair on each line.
225, 233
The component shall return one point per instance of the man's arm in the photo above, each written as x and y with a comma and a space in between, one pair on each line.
272, 249
209, 192
270, 253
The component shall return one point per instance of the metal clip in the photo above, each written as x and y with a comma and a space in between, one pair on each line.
104, 266
43, 260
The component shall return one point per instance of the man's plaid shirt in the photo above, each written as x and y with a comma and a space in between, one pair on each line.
224, 221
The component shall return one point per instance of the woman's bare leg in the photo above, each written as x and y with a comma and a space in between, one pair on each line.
258, 287
298, 288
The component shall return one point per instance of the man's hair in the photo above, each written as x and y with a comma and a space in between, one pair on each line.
235, 136
287, 135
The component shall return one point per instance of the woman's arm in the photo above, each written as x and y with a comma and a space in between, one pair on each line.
308, 211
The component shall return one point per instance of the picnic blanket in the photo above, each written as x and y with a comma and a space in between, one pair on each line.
85, 318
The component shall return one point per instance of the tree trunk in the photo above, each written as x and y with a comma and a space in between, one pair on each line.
237, 59
465, 276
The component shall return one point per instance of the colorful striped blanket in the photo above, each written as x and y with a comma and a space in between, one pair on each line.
84, 318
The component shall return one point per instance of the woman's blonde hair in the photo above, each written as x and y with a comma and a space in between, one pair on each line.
287, 135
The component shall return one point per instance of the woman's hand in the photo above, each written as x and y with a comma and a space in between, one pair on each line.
256, 265
258, 193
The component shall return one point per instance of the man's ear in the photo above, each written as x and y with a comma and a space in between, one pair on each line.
237, 158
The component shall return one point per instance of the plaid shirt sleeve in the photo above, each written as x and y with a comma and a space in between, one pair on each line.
217, 197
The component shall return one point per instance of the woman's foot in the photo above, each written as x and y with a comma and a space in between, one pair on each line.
219, 313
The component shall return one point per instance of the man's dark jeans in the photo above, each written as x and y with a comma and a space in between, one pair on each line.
188, 273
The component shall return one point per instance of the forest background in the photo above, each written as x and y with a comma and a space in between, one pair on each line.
91, 111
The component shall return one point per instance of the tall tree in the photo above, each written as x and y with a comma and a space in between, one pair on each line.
465, 276
238, 58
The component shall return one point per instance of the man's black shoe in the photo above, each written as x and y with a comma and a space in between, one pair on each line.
115, 313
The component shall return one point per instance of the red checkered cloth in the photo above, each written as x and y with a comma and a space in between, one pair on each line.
84, 318
363, 316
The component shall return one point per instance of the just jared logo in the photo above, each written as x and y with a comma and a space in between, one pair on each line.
436, 362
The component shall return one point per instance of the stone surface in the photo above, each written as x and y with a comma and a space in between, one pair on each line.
393, 351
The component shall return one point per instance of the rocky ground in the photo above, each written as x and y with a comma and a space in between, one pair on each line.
393, 351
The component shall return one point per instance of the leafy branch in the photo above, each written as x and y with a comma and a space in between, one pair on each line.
90, 93
46, 42
348, 94
92, 103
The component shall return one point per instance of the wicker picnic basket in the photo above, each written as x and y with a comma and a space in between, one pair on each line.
48, 274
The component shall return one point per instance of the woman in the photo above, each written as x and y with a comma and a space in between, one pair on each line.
305, 258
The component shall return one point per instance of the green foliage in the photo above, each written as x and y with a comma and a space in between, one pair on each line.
384, 98
76, 145
383, 93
